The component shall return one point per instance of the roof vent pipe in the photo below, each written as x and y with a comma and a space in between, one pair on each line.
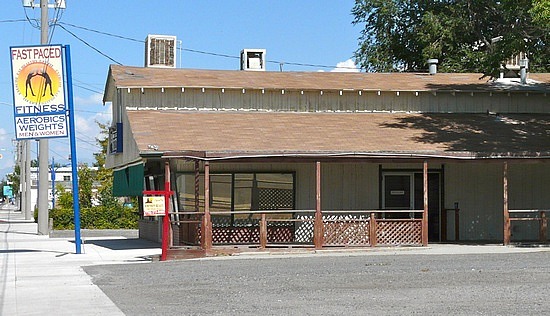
523, 65
432, 64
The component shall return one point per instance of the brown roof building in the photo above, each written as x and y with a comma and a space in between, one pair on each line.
376, 135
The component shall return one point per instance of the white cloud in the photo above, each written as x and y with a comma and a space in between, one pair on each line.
86, 125
3, 135
94, 99
346, 66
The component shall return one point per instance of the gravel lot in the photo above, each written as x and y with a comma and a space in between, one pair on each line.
402, 284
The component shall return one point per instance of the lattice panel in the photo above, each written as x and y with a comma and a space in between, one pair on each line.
235, 235
275, 199
350, 232
280, 234
304, 230
398, 232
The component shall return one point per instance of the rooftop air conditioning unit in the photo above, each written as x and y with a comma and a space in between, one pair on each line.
160, 51
253, 59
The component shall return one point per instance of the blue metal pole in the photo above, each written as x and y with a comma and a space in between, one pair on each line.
74, 163
53, 183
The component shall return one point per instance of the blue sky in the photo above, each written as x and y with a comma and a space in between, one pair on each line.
292, 31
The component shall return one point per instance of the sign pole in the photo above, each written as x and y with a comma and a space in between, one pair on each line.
74, 163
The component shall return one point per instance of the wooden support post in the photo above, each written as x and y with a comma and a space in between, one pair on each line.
457, 222
372, 229
543, 226
206, 229
506, 212
263, 232
318, 223
192, 235
197, 186
425, 213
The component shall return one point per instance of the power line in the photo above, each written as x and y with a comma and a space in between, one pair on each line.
89, 45
203, 52
13, 21
101, 32
89, 89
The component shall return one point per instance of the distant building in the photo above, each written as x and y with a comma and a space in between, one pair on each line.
63, 176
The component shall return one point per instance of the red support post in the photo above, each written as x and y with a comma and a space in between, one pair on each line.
318, 222
372, 229
206, 229
505, 200
263, 232
425, 213
166, 219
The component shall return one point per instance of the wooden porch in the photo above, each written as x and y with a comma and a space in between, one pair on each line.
208, 232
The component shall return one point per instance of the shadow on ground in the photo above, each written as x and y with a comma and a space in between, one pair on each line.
122, 244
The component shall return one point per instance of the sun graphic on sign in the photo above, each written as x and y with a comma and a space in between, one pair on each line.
38, 82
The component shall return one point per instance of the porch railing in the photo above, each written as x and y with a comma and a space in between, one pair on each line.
533, 215
272, 228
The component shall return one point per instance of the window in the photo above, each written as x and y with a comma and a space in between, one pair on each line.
66, 178
238, 192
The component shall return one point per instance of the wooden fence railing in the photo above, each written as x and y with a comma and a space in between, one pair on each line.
535, 215
340, 228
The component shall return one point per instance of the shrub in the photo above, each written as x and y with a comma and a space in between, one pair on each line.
99, 217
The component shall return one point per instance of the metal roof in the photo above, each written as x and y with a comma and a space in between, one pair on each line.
142, 77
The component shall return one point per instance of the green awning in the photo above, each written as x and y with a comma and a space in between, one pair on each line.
128, 181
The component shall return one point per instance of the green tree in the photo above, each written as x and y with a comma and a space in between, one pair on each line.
64, 198
14, 179
85, 185
465, 35
104, 176
110, 213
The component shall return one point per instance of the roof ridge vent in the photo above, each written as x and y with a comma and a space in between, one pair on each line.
432, 65
253, 59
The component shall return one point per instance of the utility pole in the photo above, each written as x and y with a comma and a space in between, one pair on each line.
25, 178
43, 216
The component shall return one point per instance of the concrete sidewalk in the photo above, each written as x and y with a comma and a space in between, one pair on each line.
43, 276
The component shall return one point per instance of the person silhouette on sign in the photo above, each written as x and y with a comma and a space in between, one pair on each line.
28, 83
47, 81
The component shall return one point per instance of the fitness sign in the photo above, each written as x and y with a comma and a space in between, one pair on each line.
38, 92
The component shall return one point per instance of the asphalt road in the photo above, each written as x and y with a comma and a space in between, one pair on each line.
403, 284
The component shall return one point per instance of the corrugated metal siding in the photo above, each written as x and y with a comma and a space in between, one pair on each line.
349, 186
478, 188
130, 152
529, 188
311, 101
